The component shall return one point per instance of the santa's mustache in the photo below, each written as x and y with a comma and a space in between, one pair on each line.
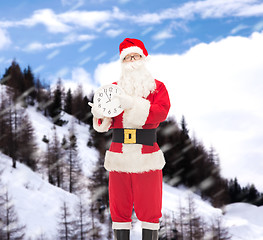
131, 66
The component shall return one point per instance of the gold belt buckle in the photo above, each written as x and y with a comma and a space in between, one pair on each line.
129, 135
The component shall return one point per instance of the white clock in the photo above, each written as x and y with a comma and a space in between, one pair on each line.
106, 101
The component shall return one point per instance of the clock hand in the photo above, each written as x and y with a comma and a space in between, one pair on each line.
108, 98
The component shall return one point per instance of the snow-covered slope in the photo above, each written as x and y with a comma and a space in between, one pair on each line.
44, 126
38, 203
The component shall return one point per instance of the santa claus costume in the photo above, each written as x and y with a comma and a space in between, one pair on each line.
134, 160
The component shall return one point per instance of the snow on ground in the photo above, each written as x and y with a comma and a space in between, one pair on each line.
44, 126
38, 203
245, 221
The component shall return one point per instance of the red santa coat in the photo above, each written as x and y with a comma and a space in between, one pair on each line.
145, 114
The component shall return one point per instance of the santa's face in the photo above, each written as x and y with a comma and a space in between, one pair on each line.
135, 77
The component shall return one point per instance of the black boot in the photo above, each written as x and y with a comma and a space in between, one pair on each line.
123, 234
148, 234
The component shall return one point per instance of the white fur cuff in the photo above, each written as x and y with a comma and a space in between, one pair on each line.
121, 225
139, 113
134, 162
104, 126
151, 226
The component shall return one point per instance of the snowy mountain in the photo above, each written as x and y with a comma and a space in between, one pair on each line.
38, 203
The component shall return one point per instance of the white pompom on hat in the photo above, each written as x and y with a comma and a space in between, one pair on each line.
132, 45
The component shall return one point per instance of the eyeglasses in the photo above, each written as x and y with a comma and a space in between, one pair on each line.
128, 58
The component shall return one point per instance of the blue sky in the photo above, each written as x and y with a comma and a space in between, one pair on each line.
53, 37
208, 53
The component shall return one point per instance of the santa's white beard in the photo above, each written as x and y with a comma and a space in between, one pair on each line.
135, 79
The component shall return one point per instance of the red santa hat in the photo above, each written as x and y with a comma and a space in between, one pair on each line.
132, 45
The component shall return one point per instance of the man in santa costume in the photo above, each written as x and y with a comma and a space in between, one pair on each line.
135, 167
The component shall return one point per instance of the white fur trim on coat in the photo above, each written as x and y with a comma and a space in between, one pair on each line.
129, 50
151, 226
134, 162
104, 126
138, 114
121, 225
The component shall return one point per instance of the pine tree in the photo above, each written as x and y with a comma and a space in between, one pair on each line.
29, 88
190, 164
12, 129
44, 98
10, 226
253, 194
234, 190
195, 230
15, 80
95, 232
68, 102
54, 161
218, 231
77, 104
3, 123
56, 106
83, 228
26, 143
72, 160
181, 223
9, 117
66, 224
98, 185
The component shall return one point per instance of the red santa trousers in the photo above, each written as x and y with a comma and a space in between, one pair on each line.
143, 191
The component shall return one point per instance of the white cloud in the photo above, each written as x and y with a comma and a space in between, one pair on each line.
101, 20
218, 88
79, 76
48, 18
114, 32
100, 55
258, 27
238, 28
74, 4
64, 22
53, 54
39, 68
164, 34
147, 30
158, 44
87, 19
205, 9
34, 46
5, 41
85, 47
69, 39
84, 61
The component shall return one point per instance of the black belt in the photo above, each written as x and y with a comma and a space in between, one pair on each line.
133, 136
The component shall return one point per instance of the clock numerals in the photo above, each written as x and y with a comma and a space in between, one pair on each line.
106, 102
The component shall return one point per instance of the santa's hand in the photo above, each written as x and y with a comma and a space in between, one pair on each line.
95, 111
126, 101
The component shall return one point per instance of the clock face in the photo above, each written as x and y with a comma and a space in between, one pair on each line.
106, 102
